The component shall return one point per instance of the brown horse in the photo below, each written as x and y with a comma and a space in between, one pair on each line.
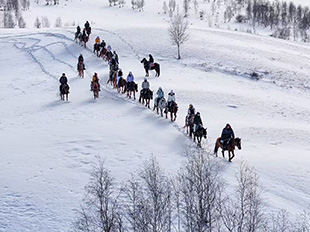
230, 147
121, 85
173, 109
81, 68
103, 53
96, 90
112, 78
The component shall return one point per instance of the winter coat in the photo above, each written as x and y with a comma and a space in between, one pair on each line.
171, 97
130, 78
151, 59
109, 48
227, 133
78, 30
63, 80
145, 85
95, 79
86, 25
160, 93
120, 73
103, 44
197, 120
190, 112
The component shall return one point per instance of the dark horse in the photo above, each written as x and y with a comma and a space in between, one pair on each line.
132, 87
173, 109
64, 91
200, 132
230, 147
147, 67
146, 95
97, 49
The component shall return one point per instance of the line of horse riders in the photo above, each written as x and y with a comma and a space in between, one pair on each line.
193, 121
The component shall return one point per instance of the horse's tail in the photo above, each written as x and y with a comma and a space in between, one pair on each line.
158, 71
216, 147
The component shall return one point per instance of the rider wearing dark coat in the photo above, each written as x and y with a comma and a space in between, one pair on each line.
103, 44
227, 134
81, 58
151, 61
63, 81
86, 25
197, 121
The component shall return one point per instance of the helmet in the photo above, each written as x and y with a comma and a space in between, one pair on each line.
130, 73
190, 105
63, 74
227, 125
160, 88
198, 113
95, 74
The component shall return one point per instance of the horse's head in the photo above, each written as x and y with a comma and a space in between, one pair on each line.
143, 60
237, 142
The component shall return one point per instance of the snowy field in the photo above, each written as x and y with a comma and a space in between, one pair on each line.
49, 146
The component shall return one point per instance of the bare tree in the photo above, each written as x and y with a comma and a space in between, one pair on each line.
100, 208
45, 22
178, 32
201, 188
58, 22
245, 211
21, 22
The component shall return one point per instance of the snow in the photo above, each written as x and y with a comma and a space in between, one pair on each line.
49, 146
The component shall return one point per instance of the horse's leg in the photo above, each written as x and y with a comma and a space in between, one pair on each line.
223, 153
231, 156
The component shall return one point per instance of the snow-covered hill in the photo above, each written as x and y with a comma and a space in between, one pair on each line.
48, 146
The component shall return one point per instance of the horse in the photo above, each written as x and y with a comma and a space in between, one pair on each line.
97, 49
95, 89
189, 124
81, 68
162, 104
230, 147
132, 87
103, 53
121, 85
147, 67
200, 132
83, 40
146, 95
173, 109
64, 91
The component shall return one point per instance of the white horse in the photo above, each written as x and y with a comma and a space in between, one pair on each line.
162, 104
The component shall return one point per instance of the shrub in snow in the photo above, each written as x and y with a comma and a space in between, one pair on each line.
45, 22
21, 22
58, 22
8, 21
37, 23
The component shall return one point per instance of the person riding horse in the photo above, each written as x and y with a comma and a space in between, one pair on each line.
151, 61
81, 58
171, 99
160, 94
78, 31
190, 113
94, 80
197, 122
119, 76
103, 44
63, 81
86, 25
145, 87
227, 135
